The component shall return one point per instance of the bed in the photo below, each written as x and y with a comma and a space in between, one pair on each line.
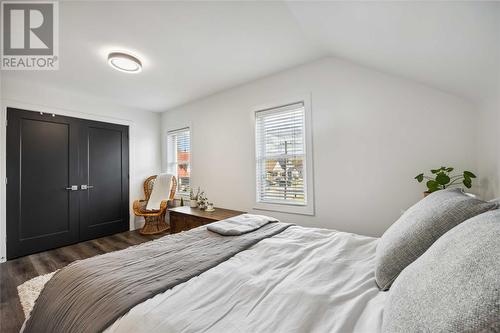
255, 274
298, 280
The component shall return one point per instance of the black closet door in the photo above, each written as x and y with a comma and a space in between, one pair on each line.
42, 165
67, 181
105, 171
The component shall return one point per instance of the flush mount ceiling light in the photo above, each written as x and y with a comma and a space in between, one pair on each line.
124, 62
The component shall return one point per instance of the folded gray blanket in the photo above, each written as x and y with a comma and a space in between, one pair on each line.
240, 224
91, 294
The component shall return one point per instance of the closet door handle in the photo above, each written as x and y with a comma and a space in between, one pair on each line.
87, 187
72, 188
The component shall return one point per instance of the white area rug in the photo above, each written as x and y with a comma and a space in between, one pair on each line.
28, 291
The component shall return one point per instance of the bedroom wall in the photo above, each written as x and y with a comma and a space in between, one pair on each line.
489, 148
144, 131
372, 133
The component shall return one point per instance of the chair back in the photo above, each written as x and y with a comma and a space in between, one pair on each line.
149, 183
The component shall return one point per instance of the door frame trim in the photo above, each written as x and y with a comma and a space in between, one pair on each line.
10, 103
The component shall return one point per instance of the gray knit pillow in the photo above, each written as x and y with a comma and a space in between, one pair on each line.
454, 286
419, 227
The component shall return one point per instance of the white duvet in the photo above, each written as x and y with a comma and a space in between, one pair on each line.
302, 280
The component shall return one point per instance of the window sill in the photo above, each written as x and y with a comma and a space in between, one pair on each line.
284, 208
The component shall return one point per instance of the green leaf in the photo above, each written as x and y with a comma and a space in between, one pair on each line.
420, 177
435, 170
467, 182
432, 185
449, 169
442, 178
469, 174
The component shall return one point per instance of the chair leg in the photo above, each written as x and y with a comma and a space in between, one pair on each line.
154, 225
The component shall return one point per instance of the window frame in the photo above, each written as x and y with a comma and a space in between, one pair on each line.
168, 132
292, 208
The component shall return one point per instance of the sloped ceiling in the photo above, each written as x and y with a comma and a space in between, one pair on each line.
454, 46
193, 49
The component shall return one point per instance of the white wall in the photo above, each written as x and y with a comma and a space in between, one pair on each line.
372, 133
144, 131
489, 148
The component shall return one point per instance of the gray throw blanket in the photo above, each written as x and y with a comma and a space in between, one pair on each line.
91, 294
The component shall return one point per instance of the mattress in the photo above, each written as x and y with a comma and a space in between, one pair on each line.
301, 280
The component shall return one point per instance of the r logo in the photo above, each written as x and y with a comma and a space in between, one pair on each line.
28, 29
30, 35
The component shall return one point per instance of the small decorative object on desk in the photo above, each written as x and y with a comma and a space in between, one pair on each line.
193, 198
210, 207
442, 179
202, 201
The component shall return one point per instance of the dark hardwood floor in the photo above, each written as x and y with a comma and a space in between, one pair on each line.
15, 272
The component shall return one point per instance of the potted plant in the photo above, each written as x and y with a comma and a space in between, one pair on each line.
193, 198
442, 178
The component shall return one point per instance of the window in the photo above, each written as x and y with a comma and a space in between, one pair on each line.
282, 160
179, 158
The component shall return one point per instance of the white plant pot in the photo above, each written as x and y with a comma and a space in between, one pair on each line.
193, 203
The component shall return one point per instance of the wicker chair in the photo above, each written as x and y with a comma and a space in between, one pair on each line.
154, 219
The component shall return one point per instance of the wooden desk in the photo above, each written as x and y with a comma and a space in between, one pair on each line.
184, 218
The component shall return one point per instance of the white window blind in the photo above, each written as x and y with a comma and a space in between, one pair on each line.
179, 158
281, 155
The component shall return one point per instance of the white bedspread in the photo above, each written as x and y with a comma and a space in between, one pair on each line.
302, 280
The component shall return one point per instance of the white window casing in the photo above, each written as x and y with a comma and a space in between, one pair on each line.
283, 151
179, 158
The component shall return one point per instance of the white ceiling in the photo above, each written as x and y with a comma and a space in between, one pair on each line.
193, 49
454, 46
